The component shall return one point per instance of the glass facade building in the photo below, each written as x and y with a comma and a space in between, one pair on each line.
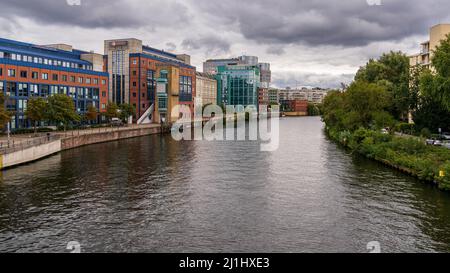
238, 85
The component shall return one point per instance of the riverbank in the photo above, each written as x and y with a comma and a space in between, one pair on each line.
29, 149
408, 155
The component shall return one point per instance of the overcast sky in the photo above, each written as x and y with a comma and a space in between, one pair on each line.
308, 42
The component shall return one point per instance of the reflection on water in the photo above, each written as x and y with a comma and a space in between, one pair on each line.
153, 194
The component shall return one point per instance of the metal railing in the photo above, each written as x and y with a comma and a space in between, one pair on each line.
15, 145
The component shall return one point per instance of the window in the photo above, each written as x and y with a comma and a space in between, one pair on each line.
23, 90
80, 79
103, 82
45, 90
35, 75
64, 78
55, 77
11, 88
53, 90
72, 78
11, 73
80, 92
62, 90
185, 88
134, 94
1, 71
2, 55
34, 91
23, 74
2, 87
134, 73
22, 105
88, 80
96, 81
72, 92
134, 84
44, 76
134, 61
104, 94
103, 106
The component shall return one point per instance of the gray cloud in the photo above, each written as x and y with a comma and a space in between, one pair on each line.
310, 79
276, 50
316, 22
171, 46
211, 45
97, 13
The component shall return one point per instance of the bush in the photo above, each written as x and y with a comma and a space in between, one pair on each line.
425, 132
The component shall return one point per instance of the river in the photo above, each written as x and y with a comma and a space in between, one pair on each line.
153, 194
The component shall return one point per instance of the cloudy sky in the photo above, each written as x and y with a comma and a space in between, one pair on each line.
308, 42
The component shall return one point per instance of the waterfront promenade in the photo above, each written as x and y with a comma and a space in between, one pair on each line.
30, 147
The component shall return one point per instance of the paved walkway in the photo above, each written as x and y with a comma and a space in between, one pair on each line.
27, 140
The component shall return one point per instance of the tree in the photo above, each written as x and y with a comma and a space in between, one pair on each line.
126, 110
5, 115
61, 110
392, 71
92, 113
112, 110
362, 106
433, 111
36, 111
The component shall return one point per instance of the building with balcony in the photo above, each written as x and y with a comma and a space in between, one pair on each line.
274, 96
134, 68
29, 71
238, 85
206, 88
437, 34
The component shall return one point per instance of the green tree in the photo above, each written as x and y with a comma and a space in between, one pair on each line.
36, 111
433, 111
5, 115
392, 71
61, 110
125, 111
92, 113
112, 110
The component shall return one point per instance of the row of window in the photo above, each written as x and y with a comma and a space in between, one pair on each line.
12, 89
19, 106
55, 77
39, 60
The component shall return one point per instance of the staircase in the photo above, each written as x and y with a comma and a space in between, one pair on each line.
146, 118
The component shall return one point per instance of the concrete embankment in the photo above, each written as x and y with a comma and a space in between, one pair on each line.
22, 155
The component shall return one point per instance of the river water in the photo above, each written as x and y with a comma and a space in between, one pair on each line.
153, 194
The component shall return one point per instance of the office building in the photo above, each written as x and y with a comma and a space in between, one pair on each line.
134, 69
238, 85
29, 71
206, 88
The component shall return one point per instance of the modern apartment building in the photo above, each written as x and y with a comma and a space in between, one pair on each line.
28, 70
437, 33
238, 85
134, 69
274, 97
206, 88
315, 95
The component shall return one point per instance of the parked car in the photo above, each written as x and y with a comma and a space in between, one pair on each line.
446, 136
116, 122
434, 142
